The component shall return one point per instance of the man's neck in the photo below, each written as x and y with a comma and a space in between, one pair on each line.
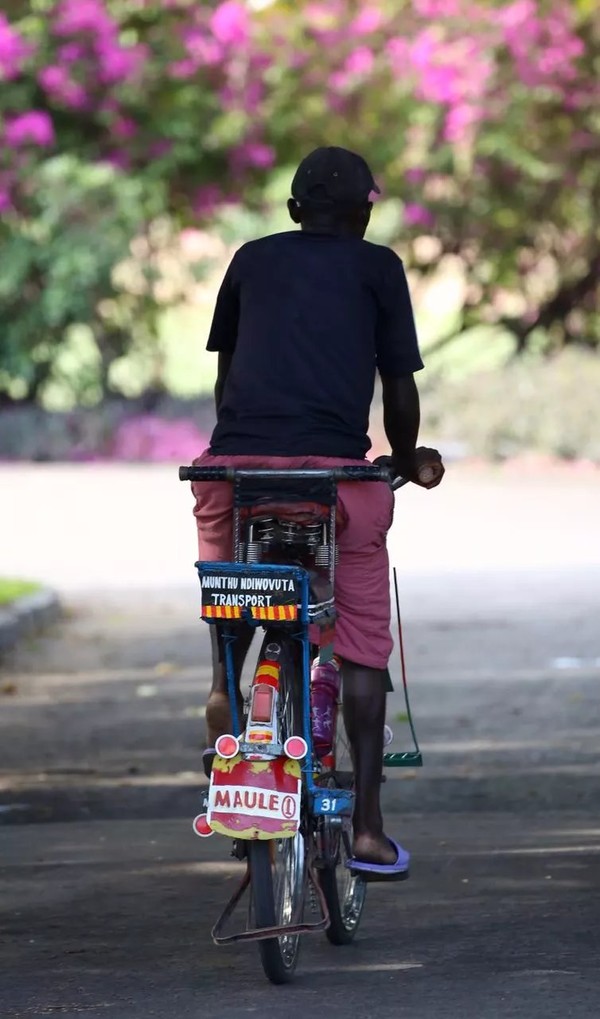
330, 230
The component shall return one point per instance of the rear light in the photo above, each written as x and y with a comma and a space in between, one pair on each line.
295, 747
201, 826
227, 746
262, 703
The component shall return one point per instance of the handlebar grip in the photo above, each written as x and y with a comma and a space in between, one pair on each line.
426, 474
205, 473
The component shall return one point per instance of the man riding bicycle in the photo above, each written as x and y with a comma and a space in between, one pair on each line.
302, 322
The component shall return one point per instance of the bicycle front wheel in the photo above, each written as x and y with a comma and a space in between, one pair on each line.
278, 869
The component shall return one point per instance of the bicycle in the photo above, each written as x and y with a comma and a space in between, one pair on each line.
288, 811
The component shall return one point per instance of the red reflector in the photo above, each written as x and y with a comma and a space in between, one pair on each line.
227, 746
296, 748
262, 703
202, 827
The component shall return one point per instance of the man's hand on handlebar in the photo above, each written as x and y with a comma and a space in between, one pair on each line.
426, 470
429, 467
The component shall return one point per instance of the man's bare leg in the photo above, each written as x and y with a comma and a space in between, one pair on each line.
218, 714
364, 717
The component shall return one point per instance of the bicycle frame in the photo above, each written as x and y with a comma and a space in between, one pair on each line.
294, 618
322, 802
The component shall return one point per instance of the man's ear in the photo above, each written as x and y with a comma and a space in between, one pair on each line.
294, 210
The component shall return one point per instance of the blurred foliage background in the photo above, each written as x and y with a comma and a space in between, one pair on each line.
143, 141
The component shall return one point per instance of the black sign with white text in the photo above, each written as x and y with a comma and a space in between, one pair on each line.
253, 589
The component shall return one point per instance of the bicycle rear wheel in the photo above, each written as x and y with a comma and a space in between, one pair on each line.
278, 868
344, 892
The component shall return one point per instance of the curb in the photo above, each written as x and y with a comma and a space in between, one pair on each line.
26, 615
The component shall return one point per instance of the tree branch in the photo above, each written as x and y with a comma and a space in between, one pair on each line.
567, 297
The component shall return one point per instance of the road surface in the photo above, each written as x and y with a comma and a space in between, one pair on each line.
108, 898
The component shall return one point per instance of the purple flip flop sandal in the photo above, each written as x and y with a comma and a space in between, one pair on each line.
398, 871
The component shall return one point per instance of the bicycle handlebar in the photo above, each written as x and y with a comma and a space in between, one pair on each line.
369, 472
350, 473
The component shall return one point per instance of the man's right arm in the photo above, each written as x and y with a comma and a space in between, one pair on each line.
401, 419
398, 358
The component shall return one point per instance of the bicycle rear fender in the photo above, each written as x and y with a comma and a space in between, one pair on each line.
254, 799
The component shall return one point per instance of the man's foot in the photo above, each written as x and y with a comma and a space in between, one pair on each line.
373, 849
375, 870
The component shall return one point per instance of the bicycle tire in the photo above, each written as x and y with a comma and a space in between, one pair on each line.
344, 892
278, 867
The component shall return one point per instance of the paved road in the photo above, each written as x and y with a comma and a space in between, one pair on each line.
107, 898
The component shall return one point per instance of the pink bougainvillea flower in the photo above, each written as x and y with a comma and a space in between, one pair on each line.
337, 103
152, 438
521, 14
53, 78
433, 9
323, 15
34, 127
415, 175
71, 52
229, 97
368, 21
203, 50
5, 199
88, 16
424, 48
76, 97
417, 215
397, 50
459, 121
124, 128
160, 148
261, 61
13, 50
119, 63
253, 154
340, 82
118, 159
207, 199
57, 82
183, 68
230, 23
360, 61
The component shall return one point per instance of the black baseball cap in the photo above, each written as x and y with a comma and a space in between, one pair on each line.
332, 175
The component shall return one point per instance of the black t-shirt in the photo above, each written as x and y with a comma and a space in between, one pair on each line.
308, 319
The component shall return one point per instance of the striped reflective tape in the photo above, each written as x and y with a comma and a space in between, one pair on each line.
280, 612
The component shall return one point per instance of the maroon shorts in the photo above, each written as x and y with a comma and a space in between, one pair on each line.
362, 589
